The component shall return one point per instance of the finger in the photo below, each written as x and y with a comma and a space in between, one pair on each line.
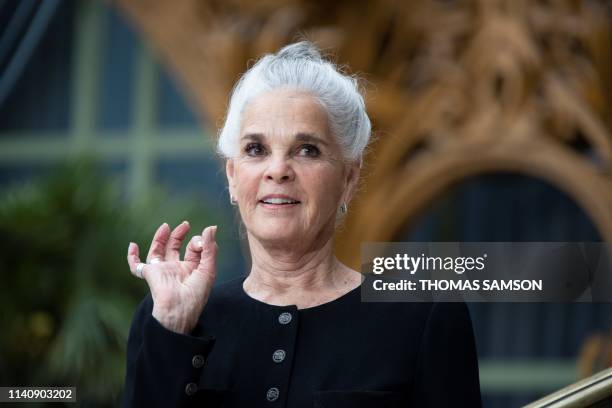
175, 241
133, 258
158, 244
193, 251
203, 277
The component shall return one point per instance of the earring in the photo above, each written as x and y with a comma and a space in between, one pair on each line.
343, 208
233, 200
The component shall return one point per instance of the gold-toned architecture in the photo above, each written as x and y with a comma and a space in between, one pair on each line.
455, 89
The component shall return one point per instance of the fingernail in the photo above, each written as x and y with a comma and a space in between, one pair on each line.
198, 242
206, 236
213, 234
185, 222
130, 246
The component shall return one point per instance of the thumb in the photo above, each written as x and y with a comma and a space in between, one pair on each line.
203, 277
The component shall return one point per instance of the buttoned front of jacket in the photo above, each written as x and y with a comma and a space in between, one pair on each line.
345, 353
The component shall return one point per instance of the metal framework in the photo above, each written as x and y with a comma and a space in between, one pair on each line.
143, 142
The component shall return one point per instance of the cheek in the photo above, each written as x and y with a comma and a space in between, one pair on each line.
246, 180
324, 186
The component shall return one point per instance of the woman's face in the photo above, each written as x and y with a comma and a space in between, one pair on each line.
289, 177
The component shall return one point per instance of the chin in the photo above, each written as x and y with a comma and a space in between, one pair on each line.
284, 232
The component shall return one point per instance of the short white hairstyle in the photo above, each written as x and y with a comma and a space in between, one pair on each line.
301, 66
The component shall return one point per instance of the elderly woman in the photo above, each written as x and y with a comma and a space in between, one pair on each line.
293, 332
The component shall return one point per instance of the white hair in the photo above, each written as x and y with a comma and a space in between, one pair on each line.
301, 66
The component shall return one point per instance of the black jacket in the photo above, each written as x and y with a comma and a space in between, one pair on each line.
345, 353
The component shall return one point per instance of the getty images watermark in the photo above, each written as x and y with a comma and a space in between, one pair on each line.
487, 271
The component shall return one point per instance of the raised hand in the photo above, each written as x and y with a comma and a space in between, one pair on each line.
180, 289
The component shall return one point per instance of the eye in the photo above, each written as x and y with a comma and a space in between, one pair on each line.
254, 149
309, 150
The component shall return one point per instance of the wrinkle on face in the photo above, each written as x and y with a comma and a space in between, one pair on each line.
281, 122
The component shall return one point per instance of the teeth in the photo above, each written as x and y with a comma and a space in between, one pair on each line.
279, 201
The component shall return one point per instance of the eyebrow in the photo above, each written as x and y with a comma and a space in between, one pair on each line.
302, 137
307, 137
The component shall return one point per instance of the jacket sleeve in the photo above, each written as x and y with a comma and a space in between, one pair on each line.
163, 367
447, 368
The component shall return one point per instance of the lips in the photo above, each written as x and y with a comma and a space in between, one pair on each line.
279, 200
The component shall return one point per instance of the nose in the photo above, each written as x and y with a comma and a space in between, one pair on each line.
279, 169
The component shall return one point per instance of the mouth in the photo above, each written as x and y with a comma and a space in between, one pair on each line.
279, 201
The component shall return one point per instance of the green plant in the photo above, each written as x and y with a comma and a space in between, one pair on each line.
66, 295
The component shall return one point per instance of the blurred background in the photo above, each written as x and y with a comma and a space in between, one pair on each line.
492, 122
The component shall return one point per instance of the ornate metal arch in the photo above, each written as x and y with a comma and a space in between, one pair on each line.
454, 89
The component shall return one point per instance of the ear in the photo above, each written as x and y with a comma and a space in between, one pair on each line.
229, 172
353, 170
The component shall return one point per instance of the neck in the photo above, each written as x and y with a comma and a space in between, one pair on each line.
284, 269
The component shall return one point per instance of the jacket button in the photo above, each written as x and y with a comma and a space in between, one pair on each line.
284, 318
272, 394
191, 389
278, 356
198, 361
